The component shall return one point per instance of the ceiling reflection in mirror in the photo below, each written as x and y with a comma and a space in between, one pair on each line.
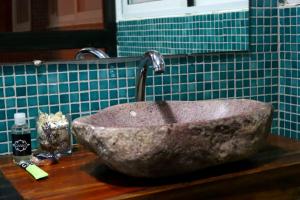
51, 26
49, 15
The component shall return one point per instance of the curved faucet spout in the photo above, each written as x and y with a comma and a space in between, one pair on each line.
90, 50
150, 58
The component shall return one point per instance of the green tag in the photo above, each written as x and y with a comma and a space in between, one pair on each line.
36, 172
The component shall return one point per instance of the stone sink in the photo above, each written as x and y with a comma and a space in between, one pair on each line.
156, 139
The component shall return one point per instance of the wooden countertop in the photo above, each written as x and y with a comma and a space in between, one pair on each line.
274, 173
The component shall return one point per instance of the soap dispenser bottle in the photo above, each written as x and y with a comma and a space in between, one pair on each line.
21, 139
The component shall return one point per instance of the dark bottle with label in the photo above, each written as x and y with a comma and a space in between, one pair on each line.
21, 139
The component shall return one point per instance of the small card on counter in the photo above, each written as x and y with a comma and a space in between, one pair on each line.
34, 170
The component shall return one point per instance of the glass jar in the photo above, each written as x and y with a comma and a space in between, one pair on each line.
54, 133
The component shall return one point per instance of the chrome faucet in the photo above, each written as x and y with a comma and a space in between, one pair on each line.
90, 50
150, 58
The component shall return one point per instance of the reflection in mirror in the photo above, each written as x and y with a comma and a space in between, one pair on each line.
49, 15
58, 29
182, 26
52, 29
83, 54
139, 1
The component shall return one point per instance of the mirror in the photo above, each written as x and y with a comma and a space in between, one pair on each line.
182, 26
58, 29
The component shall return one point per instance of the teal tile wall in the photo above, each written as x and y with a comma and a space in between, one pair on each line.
76, 88
289, 85
189, 34
82, 88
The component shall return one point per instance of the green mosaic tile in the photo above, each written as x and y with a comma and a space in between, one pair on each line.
103, 95
53, 109
8, 70
53, 99
52, 68
42, 79
9, 92
85, 107
32, 101
93, 75
3, 126
2, 114
63, 77
74, 97
94, 96
3, 148
9, 81
75, 108
43, 100
122, 93
84, 97
73, 76
113, 84
20, 80
103, 84
103, 104
42, 89
63, 88
64, 108
22, 102
31, 79
2, 105
93, 85
64, 98
41, 69
83, 76
103, 74
113, 94
52, 78
3, 138
53, 89
20, 70
30, 69
74, 87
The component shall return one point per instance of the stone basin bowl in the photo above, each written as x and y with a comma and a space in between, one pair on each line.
156, 139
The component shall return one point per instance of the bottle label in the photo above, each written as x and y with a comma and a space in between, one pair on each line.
21, 144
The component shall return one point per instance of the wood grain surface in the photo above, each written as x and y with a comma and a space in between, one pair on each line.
274, 173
